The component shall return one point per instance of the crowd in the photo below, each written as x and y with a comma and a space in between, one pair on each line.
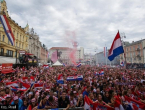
38, 87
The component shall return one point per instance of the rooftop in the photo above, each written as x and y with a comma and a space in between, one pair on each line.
60, 48
134, 43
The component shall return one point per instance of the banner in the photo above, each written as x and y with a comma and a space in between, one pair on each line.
75, 78
30, 60
7, 66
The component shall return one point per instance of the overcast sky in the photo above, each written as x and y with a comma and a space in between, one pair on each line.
94, 22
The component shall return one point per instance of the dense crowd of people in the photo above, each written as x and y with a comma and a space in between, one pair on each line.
100, 88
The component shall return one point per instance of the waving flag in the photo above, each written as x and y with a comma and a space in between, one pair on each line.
116, 48
98, 106
75, 78
136, 105
60, 79
38, 85
88, 103
13, 84
101, 72
79, 77
118, 105
122, 63
79, 64
7, 29
26, 79
71, 78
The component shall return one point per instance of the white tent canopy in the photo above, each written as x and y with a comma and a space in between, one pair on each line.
57, 63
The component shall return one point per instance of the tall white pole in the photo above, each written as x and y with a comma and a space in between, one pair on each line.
105, 54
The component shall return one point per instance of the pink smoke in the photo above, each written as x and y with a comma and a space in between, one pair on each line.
70, 38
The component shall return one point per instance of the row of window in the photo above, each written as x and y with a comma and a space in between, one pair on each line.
9, 52
133, 59
133, 54
18, 36
130, 48
3, 39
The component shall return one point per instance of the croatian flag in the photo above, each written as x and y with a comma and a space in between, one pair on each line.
88, 103
15, 86
38, 85
79, 64
7, 28
122, 64
71, 78
79, 77
12, 84
60, 79
134, 104
101, 72
116, 48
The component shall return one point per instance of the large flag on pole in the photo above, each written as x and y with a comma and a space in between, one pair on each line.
54, 57
116, 48
7, 29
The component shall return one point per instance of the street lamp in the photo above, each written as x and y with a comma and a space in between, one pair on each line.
122, 37
96, 55
16, 53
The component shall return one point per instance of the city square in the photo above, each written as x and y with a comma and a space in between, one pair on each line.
72, 55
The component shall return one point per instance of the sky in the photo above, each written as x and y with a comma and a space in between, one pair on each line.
94, 22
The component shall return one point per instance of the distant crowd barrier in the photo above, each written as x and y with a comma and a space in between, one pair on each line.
76, 108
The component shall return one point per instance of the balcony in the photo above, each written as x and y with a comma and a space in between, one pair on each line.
138, 49
5, 54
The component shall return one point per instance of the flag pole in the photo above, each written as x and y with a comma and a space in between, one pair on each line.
106, 54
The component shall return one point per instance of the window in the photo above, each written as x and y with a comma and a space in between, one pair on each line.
20, 37
3, 38
134, 48
2, 51
20, 45
130, 48
16, 44
17, 35
138, 52
126, 49
134, 54
23, 38
15, 54
0, 37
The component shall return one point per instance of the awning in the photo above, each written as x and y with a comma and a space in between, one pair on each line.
29, 54
8, 60
6, 72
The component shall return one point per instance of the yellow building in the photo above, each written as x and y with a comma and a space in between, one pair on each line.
21, 39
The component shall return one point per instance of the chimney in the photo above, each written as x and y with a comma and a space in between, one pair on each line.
132, 41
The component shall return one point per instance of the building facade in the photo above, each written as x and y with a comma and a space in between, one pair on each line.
101, 59
143, 43
64, 54
21, 39
34, 44
43, 55
134, 52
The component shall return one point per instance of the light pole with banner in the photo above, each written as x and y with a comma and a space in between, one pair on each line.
124, 55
